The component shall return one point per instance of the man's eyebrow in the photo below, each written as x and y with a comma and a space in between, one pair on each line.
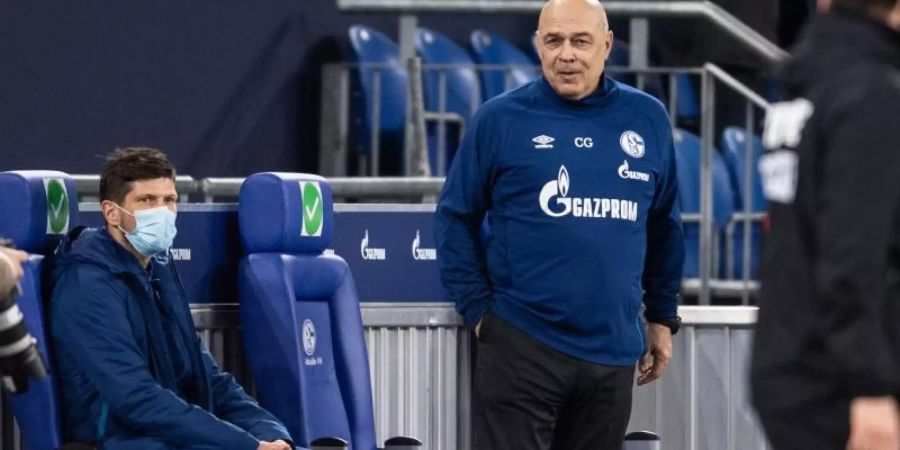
557, 34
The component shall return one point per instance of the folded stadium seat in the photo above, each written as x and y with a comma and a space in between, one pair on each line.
734, 142
38, 207
687, 157
300, 315
462, 93
491, 49
379, 58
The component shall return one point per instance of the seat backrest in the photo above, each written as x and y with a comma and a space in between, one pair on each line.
450, 84
380, 78
491, 49
687, 157
734, 143
463, 95
38, 208
300, 316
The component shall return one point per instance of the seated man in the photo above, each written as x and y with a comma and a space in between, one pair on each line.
134, 373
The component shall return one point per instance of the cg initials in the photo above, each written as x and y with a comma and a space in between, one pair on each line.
584, 142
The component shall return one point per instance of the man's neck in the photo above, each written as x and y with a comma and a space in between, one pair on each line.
119, 237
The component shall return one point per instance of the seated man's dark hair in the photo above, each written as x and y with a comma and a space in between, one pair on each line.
127, 165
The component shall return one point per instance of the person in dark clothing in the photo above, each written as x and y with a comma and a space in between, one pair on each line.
134, 374
576, 174
826, 360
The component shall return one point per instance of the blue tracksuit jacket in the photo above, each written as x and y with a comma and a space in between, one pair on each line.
584, 224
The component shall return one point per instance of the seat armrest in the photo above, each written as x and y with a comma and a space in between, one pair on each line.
329, 443
402, 443
641, 440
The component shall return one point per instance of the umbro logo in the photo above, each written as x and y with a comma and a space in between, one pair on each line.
543, 141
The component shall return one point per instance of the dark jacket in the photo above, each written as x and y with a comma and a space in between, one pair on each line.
830, 304
130, 364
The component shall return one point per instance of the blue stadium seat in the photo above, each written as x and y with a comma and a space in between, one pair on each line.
734, 142
378, 55
491, 49
462, 93
687, 103
300, 316
38, 209
687, 156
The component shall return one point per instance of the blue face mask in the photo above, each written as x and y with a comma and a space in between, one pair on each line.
154, 230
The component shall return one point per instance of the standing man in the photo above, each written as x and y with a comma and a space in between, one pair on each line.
576, 174
133, 373
826, 363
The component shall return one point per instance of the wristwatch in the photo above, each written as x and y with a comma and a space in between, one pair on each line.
672, 323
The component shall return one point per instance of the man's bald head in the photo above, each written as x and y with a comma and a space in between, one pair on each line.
556, 10
573, 41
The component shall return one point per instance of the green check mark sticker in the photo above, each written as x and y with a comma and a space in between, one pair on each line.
57, 206
313, 208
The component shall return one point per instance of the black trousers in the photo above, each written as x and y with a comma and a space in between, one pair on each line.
821, 425
529, 396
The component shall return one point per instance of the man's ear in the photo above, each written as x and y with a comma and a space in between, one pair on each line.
111, 214
609, 43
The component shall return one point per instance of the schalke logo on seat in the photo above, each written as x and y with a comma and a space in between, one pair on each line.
309, 337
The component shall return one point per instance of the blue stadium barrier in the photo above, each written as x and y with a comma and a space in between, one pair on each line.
39, 207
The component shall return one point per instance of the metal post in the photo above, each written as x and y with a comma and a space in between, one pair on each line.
335, 117
441, 157
707, 126
407, 35
673, 100
416, 150
748, 199
375, 136
638, 50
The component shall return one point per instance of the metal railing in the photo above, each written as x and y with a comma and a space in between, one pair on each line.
89, 187
709, 11
413, 189
712, 74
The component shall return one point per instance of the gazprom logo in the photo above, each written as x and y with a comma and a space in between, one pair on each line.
628, 174
422, 254
554, 201
557, 189
57, 206
371, 253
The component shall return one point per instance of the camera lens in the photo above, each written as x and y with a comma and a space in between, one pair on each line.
19, 357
